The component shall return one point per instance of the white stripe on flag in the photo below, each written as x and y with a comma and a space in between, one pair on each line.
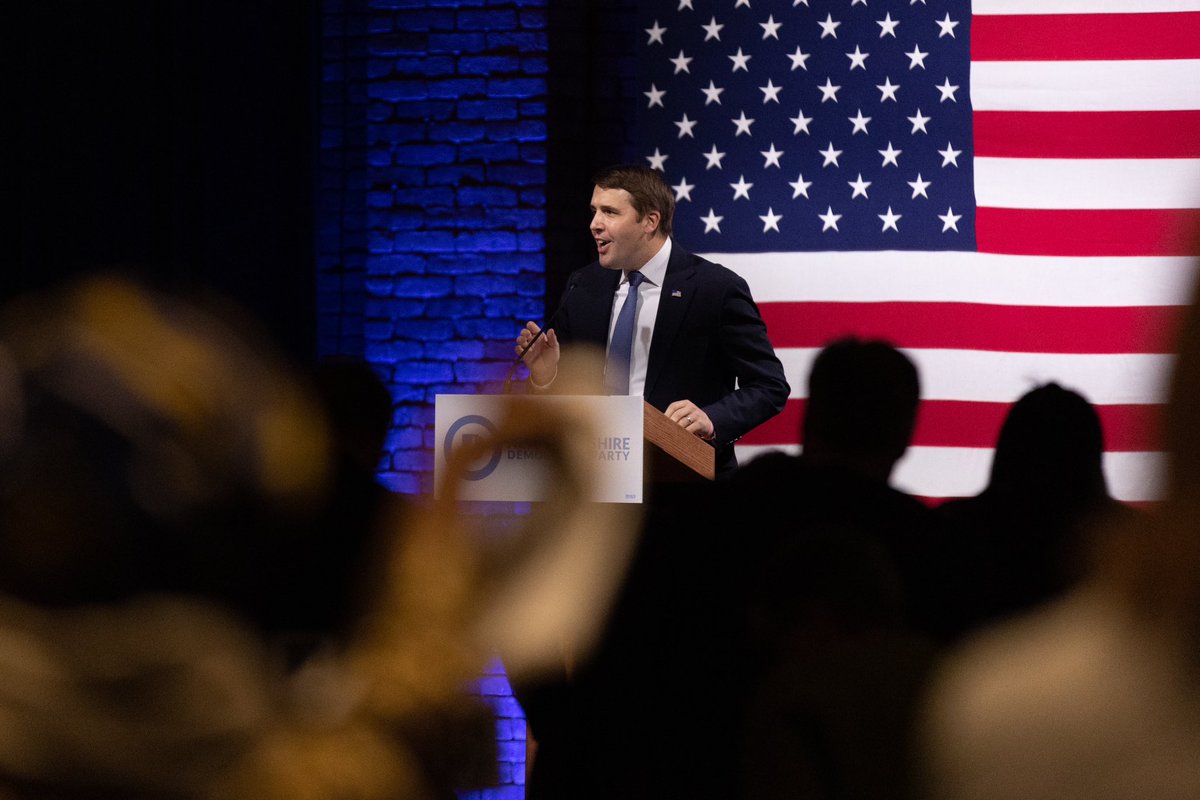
872, 276
963, 471
1085, 85
959, 471
997, 377
1087, 183
979, 7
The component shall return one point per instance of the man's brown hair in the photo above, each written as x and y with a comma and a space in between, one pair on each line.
646, 187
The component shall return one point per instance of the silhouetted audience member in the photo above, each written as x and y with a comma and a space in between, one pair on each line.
838, 585
861, 410
1095, 694
1022, 540
362, 515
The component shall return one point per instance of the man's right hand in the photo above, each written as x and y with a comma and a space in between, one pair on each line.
542, 356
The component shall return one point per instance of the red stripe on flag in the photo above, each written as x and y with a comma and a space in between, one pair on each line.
976, 326
1090, 232
958, 423
780, 430
1087, 134
1084, 37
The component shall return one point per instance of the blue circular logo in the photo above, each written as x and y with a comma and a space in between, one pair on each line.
489, 430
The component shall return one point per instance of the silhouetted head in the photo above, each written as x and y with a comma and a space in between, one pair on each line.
1051, 445
862, 405
359, 406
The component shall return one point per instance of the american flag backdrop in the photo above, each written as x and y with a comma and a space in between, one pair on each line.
1004, 189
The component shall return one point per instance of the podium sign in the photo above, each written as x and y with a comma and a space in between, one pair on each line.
519, 474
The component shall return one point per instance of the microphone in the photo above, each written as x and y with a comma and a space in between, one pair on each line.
549, 324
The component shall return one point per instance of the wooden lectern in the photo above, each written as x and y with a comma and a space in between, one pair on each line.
672, 455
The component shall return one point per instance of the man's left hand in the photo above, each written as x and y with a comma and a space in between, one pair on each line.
691, 418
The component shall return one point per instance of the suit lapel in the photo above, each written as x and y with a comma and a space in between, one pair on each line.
591, 316
676, 298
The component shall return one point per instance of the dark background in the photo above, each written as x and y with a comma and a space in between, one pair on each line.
174, 140
177, 140
592, 75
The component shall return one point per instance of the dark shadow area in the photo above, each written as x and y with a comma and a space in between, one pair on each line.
342, 181
178, 137
589, 121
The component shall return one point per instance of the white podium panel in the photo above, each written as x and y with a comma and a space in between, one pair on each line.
515, 473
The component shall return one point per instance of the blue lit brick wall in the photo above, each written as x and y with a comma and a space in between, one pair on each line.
431, 246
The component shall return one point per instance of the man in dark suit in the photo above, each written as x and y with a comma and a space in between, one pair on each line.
700, 351
626, 721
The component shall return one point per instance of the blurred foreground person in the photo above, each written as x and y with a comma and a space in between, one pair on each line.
156, 463
362, 515
161, 471
1097, 694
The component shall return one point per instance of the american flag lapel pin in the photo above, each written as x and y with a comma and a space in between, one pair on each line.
676, 293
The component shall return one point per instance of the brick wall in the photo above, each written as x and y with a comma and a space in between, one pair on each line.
431, 246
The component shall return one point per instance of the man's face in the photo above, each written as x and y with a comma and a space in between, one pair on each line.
622, 241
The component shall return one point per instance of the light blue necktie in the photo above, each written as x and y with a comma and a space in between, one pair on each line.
620, 349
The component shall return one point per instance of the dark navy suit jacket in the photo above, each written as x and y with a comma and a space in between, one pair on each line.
710, 344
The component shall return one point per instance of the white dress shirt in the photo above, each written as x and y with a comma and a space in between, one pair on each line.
654, 272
